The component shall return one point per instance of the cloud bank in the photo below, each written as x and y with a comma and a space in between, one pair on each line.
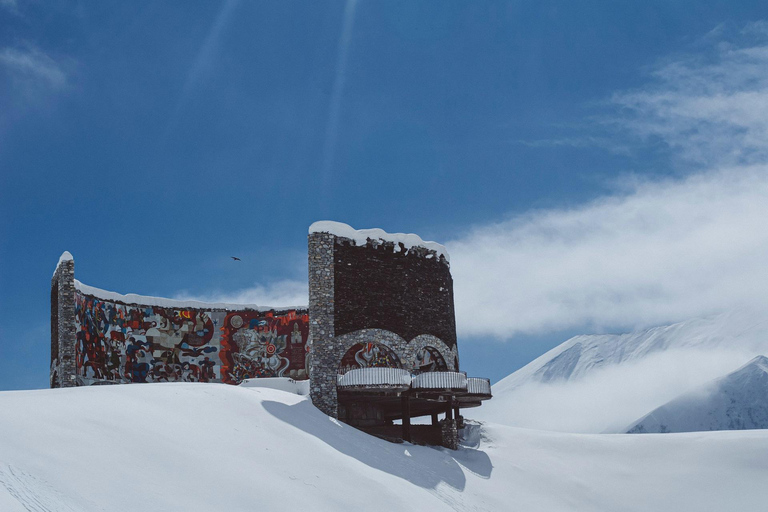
658, 251
612, 398
286, 293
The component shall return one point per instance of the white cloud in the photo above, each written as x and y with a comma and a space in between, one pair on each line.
709, 108
612, 398
658, 251
206, 55
279, 294
32, 67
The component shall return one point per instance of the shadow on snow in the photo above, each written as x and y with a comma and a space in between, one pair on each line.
420, 465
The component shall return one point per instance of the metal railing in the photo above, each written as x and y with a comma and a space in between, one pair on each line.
478, 386
440, 380
383, 377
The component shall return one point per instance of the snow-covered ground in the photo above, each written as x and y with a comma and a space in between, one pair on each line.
217, 447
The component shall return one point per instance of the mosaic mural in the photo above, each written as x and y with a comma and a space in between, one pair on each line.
256, 344
369, 355
132, 343
428, 359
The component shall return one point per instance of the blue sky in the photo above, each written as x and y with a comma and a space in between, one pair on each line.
592, 166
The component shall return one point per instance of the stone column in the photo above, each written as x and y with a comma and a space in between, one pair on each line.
63, 334
406, 407
450, 432
323, 366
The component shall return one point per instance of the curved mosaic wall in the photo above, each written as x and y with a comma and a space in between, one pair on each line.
120, 343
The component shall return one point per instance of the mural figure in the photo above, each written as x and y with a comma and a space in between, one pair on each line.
429, 359
369, 355
131, 343
264, 345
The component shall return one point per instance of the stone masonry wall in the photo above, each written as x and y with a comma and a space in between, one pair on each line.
378, 292
384, 286
63, 371
322, 364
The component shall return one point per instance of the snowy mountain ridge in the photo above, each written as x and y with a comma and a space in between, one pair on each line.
604, 382
737, 401
582, 354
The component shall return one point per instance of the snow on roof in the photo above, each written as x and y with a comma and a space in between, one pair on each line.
361, 236
145, 300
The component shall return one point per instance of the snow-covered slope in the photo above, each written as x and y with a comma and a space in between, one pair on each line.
580, 355
593, 383
735, 402
216, 447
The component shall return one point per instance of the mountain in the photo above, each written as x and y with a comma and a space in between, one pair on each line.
737, 401
603, 382
204, 447
580, 355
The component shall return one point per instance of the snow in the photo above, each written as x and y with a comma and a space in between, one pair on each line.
202, 447
735, 402
65, 256
298, 387
361, 236
161, 302
605, 382
580, 355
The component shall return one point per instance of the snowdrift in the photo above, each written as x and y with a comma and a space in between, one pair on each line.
217, 447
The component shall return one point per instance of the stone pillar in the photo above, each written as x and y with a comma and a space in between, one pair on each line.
406, 406
450, 434
458, 417
450, 431
323, 366
63, 334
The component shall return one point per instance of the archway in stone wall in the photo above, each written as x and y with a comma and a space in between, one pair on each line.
429, 359
369, 355
418, 345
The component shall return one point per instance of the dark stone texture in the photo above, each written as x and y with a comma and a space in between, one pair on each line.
323, 356
63, 372
381, 286
450, 437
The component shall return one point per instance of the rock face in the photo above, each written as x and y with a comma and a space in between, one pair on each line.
737, 401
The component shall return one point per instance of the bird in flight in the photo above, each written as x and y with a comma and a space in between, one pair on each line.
235, 258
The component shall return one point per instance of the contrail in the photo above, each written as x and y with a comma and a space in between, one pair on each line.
204, 56
334, 107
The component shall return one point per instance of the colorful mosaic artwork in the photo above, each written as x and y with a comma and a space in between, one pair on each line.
132, 343
369, 355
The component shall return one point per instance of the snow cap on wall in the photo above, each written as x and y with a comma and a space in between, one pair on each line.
161, 302
361, 236
65, 256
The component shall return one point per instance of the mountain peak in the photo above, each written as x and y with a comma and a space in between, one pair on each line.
733, 402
